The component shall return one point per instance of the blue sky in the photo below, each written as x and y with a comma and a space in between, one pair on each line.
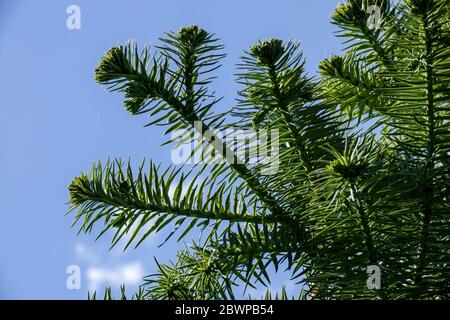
56, 121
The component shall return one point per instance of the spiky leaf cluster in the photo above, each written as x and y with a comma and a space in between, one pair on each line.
363, 175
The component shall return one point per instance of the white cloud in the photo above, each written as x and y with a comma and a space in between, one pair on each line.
108, 270
128, 274
85, 254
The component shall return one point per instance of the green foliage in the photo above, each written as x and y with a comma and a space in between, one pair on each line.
108, 295
364, 168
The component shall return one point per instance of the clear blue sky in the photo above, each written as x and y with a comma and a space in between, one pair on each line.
55, 121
